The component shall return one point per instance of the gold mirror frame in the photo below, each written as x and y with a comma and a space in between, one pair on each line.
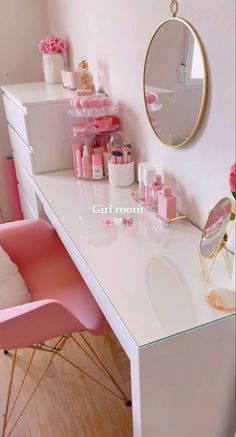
205, 80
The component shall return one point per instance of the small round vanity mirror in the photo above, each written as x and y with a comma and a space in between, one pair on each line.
175, 82
214, 235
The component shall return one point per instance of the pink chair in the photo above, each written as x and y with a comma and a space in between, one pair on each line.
61, 303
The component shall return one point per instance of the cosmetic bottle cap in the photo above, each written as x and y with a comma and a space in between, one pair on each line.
148, 175
167, 191
141, 167
158, 180
96, 159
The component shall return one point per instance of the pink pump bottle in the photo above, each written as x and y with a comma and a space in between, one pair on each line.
166, 204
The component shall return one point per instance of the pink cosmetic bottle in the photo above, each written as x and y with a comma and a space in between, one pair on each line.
97, 166
141, 167
157, 187
148, 180
106, 156
86, 163
166, 204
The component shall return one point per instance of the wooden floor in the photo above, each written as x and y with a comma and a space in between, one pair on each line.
67, 404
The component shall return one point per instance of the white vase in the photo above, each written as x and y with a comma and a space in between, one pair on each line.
52, 66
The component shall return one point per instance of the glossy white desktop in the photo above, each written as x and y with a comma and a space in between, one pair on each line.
147, 280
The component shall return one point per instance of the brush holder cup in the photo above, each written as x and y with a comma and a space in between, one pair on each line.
121, 175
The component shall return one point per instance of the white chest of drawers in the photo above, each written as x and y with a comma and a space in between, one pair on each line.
39, 133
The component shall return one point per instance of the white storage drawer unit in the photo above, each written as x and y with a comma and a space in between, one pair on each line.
39, 133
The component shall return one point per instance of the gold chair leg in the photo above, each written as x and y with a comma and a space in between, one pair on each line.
99, 364
7, 415
56, 350
9, 394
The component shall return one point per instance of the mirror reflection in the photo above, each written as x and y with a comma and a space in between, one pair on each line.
175, 82
215, 228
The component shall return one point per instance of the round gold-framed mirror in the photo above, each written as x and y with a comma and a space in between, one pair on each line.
175, 81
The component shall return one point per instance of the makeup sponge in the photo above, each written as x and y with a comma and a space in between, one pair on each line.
76, 103
106, 101
86, 103
97, 103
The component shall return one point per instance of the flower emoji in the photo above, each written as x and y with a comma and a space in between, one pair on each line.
107, 222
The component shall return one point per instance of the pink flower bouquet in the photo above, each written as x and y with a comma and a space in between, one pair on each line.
232, 184
52, 45
232, 179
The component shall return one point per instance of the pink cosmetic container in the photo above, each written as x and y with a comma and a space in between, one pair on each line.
86, 163
77, 153
119, 158
102, 123
97, 166
148, 179
80, 130
157, 187
124, 156
114, 157
141, 167
166, 204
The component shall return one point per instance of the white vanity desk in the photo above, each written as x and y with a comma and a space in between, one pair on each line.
147, 280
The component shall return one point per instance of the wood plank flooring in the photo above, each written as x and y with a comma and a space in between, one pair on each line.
68, 404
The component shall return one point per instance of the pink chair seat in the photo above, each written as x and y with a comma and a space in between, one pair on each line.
61, 301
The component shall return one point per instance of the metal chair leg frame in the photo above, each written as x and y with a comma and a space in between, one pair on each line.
7, 415
9, 394
56, 350
100, 366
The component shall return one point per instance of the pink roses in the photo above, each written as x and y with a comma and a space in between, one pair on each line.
52, 45
232, 179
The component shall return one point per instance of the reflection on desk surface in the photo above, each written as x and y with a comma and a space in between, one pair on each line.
119, 258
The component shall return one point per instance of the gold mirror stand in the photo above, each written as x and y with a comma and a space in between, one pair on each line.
221, 248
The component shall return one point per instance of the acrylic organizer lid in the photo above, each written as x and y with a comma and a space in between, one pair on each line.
96, 105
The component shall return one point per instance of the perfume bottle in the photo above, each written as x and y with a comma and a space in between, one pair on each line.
141, 167
157, 187
166, 204
148, 179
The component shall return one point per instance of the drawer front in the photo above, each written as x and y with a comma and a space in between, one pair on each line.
28, 212
21, 151
17, 118
25, 184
